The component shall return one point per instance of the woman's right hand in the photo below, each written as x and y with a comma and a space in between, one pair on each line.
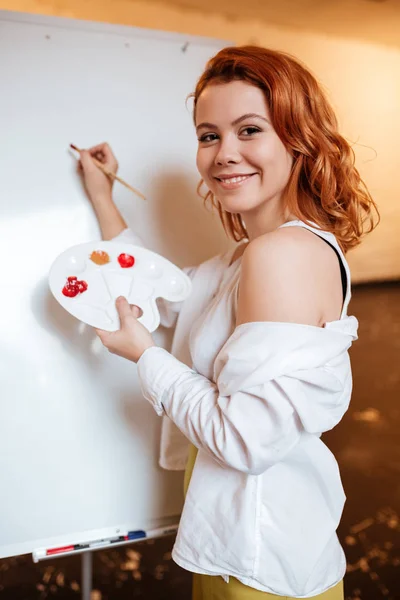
98, 186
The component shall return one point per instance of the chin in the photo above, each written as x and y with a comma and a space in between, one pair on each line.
237, 205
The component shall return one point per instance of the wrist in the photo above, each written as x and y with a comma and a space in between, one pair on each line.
153, 345
101, 198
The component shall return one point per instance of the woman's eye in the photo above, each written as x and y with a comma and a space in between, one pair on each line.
248, 131
208, 137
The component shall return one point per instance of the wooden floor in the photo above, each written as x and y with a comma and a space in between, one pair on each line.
367, 447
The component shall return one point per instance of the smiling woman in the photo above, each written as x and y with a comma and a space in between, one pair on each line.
264, 338
297, 126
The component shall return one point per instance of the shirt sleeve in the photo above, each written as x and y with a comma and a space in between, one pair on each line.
169, 311
272, 384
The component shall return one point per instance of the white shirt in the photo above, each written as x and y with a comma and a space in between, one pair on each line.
265, 497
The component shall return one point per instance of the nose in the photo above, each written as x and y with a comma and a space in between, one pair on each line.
227, 154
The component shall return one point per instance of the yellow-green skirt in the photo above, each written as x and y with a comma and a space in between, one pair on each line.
207, 587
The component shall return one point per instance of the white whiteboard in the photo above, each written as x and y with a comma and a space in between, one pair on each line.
78, 444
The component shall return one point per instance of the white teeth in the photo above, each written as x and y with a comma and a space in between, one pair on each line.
235, 179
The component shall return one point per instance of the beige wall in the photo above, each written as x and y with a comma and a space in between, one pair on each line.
362, 79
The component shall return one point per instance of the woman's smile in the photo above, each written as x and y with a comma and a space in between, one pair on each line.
234, 181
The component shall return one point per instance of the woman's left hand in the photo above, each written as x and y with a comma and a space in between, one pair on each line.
132, 339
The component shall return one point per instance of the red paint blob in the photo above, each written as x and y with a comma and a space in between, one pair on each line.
73, 287
70, 290
82, 285
126, 261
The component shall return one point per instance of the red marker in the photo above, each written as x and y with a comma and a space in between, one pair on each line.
72, 547
59, 550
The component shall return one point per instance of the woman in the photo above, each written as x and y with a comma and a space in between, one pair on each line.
267, 369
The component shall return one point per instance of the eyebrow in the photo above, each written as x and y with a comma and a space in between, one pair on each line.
235, 122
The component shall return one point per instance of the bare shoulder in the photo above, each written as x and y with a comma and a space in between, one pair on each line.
289, 275
287, 250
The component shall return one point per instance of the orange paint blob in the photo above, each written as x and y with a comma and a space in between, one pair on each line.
99, 257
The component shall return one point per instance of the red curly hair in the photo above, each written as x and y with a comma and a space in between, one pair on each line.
324, 187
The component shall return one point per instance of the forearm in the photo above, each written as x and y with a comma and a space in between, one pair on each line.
272, 383
110, 220
245, 431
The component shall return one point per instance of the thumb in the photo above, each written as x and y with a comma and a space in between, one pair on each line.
123, 308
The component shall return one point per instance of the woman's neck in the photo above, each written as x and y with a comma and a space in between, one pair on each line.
264, 220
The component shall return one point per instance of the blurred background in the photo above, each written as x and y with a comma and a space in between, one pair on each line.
353, 47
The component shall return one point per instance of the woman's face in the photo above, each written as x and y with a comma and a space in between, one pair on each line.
240, 157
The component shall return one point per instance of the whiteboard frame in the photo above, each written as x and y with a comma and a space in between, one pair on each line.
100, 27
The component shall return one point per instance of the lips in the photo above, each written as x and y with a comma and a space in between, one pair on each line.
234, 177
234, 181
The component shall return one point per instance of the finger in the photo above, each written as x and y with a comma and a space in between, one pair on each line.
86, 161
136, 311
123, 308
107, 155
103, 335
98, 147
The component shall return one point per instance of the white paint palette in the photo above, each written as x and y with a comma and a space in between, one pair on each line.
149, 277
